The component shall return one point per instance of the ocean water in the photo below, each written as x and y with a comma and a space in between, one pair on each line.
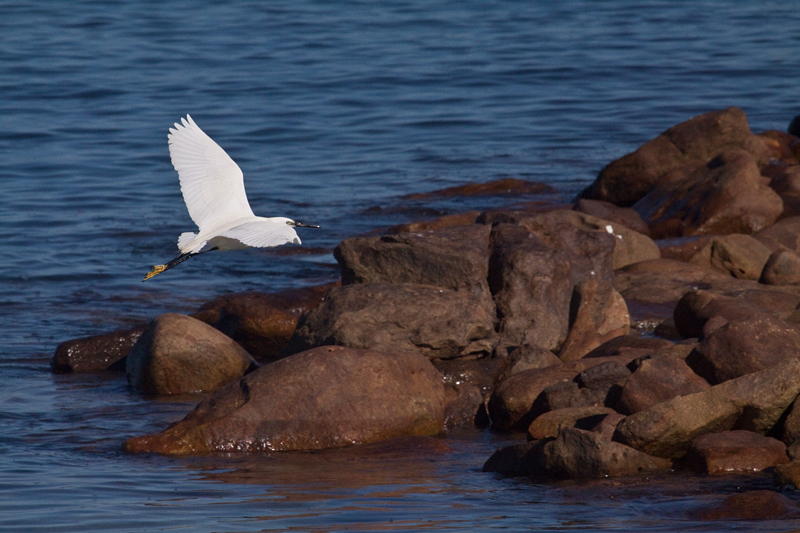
334, 110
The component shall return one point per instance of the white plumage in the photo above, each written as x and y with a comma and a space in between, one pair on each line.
213, 190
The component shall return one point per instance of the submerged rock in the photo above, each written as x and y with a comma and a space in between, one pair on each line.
95, 353
328, 397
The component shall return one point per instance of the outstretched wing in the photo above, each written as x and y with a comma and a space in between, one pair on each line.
211, 182
263, 234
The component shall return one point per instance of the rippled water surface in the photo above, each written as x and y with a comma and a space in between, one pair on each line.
334, 110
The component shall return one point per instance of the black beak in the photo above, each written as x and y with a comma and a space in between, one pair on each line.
302, 225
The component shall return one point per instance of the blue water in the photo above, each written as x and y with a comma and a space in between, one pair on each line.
333, 110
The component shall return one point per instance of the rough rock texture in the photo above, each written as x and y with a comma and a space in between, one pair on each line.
576, 453
439, 223
607, 425
743, 346
751, 505
735, 451
462, 402
788, 474
455, 258
598, 313
624, 181
696, 307
517, 459
658, 378
785, 234
626, 216
596, 386
327, 397
741, 256
754, 402
663, 280
399, 318
791, 424
726, 195
782, 268
177, 354
525, 357
548, 424
510, 404
95, 353
535, 262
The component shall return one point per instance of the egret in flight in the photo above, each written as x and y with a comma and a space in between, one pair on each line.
213, 189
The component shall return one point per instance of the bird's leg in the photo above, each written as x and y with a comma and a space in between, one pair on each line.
158, 269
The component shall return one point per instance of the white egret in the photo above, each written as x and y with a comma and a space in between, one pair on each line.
213, 190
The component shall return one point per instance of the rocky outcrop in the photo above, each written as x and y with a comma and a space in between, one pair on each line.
327, 397
735, 451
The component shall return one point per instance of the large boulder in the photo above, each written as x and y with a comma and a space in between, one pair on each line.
782, 268
741, 256
696, 307
399, 318
626, 180
751, 505
744, 346
726, 195
177, 354
655, 379
327, 397
663, 280
626, 216
754, 402
454, 258
735, 451
548, 424
95, 353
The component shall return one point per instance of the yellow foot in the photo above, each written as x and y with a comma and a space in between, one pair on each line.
158, 269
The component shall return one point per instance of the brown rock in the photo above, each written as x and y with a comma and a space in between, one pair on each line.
735, 451
607, 425
598, 313
744, 346
548, 424
782, 268
751, 505
791, 424
526, 357
682, 248
788, 474
624, 181
596, 386
510, 404
480, 372
95, 353
327, 397
454, 258
754, 402
726, 195
462, 402
632, 346
657, 379
399, 318
663, 280
785, 233
741, 256
517, 460
576, 453
696, 307
439, 223
177, 354
607, 211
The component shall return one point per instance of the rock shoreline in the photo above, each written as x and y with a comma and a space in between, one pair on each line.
653, 324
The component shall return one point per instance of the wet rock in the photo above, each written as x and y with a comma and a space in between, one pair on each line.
626, 216
663, 280
510, 404
399, 318
177, 354
782, 268
462, 402
741, 256
632, 346
682, 248
744, 346
480, 372
598, 313
735, 451
626, 180
726, 195
95, 353
328, 397
435, 224
576, 453
787, 474
454, 258
505, 186
751, 505
754, 402
517, 460
548, 424
658, 378
794, 126
526, 357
